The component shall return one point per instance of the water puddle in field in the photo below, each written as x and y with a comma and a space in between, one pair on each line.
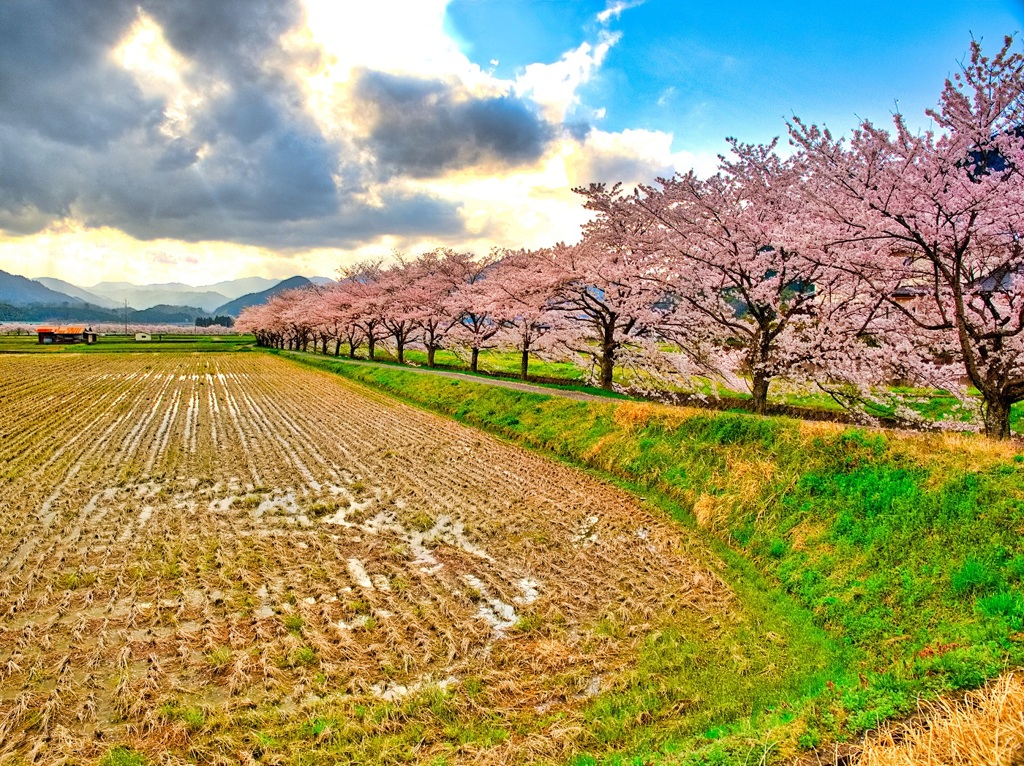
391, 691
358, 622
495, 612
415, 529
265, 610
530, 591
421, 543
586, 531
359, 575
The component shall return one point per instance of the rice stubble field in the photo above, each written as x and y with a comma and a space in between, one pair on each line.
227, 557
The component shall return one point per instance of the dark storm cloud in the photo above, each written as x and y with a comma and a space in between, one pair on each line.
245, 114
278, 193
286, 177
79, 137
350, 224
232, 37
578, 130
56, 75
425, 127
177, 154
38, 180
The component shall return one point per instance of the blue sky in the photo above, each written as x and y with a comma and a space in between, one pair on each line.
149, 141
702, 72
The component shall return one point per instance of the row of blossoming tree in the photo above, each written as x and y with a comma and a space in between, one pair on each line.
853, 264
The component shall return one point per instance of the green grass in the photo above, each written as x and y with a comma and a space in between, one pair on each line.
123, 756
27, 344
933, 406
907, 551
491, 362
556, 375
495, 361
193, 717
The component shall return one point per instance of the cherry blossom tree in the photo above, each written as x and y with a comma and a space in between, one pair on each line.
605, 290
471, 303
932, 222
311, 309
428, 284
516, 297
397, 306
745, 297
336, 318
259, 321
361, 283
295, 309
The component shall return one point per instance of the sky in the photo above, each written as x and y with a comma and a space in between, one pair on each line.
197, 140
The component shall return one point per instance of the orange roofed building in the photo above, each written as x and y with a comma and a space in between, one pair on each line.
66, 334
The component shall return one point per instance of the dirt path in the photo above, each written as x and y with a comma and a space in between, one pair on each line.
482, 379
203, 553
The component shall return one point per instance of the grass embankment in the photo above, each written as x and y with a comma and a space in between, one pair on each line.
908, 550
804, 402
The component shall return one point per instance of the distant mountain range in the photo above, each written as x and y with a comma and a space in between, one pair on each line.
50, 299
60, 286
234, 308
19, 291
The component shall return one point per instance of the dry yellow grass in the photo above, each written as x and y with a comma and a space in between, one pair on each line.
985, 728
633, 416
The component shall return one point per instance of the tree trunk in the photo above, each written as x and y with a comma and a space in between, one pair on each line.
524, 364
324, 345
400, 348
607, 368
371, 347
337, 347
759, 392
351, 349
430, 355
474, 360
997, 417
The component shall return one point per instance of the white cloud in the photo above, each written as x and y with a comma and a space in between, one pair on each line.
615, 9
554, 86
395, 36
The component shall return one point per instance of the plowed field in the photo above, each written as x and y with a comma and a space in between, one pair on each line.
224, 558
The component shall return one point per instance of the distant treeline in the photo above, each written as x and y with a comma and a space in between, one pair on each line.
221, 321
68, 312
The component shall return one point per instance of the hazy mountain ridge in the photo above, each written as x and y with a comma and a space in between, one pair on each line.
19, 291
48, 299
60, 286
227, 290
234, 308
142, 297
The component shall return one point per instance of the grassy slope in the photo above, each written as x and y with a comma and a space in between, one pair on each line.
806, 402
907, 550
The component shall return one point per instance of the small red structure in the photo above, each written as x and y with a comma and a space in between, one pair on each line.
66, 334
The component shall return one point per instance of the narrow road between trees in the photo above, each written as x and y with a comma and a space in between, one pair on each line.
487, 381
